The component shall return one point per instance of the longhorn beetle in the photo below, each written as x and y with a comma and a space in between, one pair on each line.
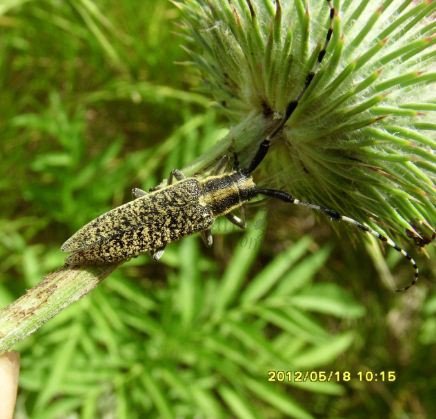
189, 205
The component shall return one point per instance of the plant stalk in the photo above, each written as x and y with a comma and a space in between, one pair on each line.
56, 291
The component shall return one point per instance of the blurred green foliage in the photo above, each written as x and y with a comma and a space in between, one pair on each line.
92, 105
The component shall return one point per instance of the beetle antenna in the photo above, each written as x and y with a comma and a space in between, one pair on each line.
335, 216
292, 105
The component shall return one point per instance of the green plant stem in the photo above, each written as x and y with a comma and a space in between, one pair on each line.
56, 291
242, 139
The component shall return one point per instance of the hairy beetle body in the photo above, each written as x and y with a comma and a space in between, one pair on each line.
155, 219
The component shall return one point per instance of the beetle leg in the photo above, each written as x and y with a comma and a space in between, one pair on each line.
137, 193
221, 165
240, 222
158, 254
236, 164
207, 237
177, 174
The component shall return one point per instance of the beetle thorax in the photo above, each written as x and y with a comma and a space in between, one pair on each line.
224, 193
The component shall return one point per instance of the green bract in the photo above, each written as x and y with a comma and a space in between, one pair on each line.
361, 139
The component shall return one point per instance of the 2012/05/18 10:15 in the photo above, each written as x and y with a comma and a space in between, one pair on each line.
327, 376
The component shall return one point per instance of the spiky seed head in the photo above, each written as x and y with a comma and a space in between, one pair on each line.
362, 138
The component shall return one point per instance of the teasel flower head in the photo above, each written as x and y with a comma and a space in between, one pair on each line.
361, 139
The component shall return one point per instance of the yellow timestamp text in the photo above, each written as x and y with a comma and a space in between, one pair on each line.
328, 376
